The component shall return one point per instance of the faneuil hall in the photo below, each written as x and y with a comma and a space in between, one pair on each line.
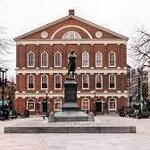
41, 66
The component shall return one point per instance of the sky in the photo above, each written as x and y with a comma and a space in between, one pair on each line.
122, 16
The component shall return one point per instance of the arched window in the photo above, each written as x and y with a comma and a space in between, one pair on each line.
112, 59
85, 59
30, 59
112, 81
98, 59
44, 59
85, 81
57, 104
85, 104
31, 105
98, 81
57, 59
57, 81
44, 81
112, 105
30, 82
70, 35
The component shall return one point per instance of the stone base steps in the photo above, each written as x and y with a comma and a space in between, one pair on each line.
120, 129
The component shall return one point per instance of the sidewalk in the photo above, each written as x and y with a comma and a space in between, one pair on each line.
138, 141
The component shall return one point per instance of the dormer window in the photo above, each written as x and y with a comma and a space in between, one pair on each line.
70, 35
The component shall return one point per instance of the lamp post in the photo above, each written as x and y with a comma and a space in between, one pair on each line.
3, 84
46, 98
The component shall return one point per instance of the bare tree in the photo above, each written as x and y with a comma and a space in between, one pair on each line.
141, 48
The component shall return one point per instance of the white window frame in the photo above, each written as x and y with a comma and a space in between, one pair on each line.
55, 102
76, 35
114, 81
87, 80
60, 60
101, 81
114, 59
96, 55
28, 59
46, 58
85, 52
60, 82
28, 82
28, 105
115, 104
47, 82
82, 104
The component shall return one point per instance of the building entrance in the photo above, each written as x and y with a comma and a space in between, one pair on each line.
44, 106
99, 107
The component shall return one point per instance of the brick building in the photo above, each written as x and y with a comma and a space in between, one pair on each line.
41, 66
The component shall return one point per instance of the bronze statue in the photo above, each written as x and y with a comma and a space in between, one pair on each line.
71, 64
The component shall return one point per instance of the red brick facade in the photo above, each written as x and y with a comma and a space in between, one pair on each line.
107, 43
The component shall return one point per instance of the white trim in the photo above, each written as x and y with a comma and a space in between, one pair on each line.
96, 59
28, 59
60, 60
28, 82
71, 26
78, 42
87, 54
55, 101
114, 81
46, 58
28, 103
115, 105
87, 80
60, 82
47, 82
82, 94
73, 17
88, 104
101, 81
78, 71
114, 59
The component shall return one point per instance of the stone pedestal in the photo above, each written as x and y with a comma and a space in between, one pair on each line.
70, 109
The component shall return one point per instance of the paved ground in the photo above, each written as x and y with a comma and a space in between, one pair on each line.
138, 141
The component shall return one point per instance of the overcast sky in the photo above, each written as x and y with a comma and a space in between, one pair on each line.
122, 16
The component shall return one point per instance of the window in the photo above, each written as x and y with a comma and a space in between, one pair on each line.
44, 82
70, 35
112, 104
57, 104
58, 81
112, 59
85, 59
112, 81
57, 59
85, 104
85, 81
99, 81
30, 59
98, 59
30, 82
44, 59
31, 105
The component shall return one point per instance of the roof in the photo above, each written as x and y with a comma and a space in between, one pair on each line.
73, 17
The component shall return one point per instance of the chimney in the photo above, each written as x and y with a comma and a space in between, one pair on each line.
71, 12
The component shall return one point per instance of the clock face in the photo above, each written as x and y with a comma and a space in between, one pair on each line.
44, 34
98, 34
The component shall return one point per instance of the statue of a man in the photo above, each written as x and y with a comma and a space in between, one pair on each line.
71, 64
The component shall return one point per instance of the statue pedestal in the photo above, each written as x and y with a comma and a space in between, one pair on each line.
70, 109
